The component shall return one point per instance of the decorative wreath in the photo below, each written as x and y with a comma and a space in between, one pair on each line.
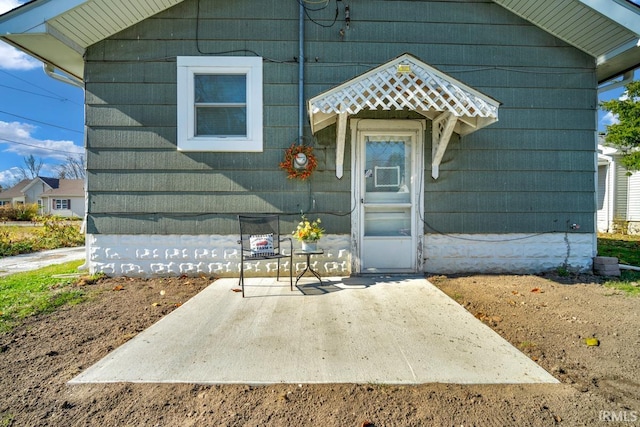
289, 164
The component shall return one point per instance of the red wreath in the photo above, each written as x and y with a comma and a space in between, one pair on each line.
289, 162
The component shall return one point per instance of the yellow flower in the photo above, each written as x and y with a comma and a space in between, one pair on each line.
308, 230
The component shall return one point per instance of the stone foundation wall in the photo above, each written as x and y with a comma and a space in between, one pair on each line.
508, 253
218, 255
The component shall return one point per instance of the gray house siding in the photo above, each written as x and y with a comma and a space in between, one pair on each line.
532, 172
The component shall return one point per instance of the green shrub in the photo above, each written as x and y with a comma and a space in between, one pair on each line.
59, 233
54, 233
19, 212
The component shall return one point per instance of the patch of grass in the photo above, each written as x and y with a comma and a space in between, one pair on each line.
6, 419
527, 344
458, 297
627, 249
35, 292
629, 283
622, 246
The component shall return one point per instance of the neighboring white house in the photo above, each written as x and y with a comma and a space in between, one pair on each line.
60, 197
618, 194
66, 200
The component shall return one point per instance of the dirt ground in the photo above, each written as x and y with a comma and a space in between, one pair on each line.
548, 318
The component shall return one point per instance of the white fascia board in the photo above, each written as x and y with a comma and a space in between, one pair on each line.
616, 11
31, 17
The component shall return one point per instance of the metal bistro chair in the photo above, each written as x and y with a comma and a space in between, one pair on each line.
260, 240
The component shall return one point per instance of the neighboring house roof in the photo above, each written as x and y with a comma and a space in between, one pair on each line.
15, 191
57, 187
58, 32
49, 182
66, 188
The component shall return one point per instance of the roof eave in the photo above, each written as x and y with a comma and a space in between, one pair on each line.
619, 61
49, 50
26, 29
621, 13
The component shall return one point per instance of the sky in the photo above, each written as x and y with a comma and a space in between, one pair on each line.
39, 116
43, 117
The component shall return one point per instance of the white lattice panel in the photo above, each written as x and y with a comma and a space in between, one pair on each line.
417, 87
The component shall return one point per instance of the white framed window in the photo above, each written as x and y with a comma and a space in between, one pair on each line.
59, 204
219, 103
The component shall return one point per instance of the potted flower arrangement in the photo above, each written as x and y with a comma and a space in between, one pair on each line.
308, 232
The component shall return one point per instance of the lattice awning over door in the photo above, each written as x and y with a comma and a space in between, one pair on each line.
405, 83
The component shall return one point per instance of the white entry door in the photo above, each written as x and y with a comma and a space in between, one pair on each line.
387, 183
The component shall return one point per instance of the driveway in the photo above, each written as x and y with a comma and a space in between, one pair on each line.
391, 330
26, 262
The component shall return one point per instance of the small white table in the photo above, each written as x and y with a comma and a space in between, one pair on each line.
308, 267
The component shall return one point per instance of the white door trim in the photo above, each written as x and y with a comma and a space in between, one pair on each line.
414, 127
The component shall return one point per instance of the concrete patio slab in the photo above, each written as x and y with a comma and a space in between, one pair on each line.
391, 330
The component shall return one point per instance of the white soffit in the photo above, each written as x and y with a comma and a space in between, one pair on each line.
59, 31
608, 30
405, 83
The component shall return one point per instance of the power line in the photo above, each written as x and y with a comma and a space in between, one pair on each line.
38, 87
37, 146
43, 123
39, 94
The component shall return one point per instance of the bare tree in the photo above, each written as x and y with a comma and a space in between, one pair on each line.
72, 168
32, 167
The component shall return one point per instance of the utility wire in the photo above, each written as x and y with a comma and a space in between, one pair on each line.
43, 123
307, 10
39, 94
37, 146
41, 88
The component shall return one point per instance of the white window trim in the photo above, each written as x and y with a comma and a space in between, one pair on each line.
188, 66
59, 204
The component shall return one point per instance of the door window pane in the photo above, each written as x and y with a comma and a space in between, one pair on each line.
388, 169
387, 178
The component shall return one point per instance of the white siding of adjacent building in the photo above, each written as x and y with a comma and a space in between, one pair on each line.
605, 194
633, 200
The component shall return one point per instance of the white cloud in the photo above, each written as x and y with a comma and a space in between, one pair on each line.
22, 143
10, 57
609, 119
10, 177
7, 5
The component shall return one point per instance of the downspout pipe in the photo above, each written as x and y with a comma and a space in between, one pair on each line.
301, 73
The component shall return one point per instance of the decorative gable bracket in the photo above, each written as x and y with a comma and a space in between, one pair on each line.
405, 83
440, 136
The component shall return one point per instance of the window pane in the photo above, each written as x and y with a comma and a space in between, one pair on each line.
221, 121
218, 88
